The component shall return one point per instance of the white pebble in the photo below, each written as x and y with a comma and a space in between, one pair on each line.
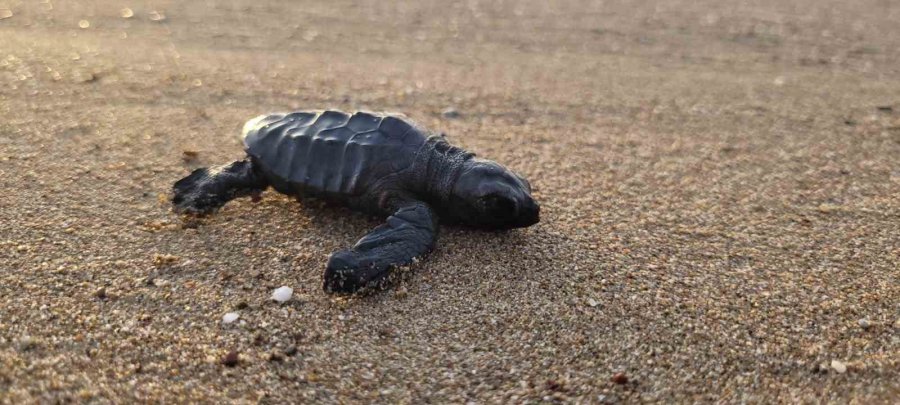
838, 366
282, 294
592, 302
230, 317
864, 323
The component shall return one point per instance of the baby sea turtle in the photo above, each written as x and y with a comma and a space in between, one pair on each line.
376, 163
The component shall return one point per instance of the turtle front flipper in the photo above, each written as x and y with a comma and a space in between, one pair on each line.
408, 234
206, 190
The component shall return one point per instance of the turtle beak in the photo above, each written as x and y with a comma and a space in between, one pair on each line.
528, 214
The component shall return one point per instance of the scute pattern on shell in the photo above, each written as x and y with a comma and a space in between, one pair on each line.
331, 152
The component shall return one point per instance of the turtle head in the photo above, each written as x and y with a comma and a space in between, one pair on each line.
488, 195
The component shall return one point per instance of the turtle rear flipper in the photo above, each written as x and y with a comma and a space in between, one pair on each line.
208, 189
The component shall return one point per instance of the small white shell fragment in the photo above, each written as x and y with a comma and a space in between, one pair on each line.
838, 366
230, 317
157, 16
282, 294
592, 302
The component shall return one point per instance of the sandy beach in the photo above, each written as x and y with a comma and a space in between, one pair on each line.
720, 190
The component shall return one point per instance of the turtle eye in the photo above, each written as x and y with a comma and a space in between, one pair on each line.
500, 206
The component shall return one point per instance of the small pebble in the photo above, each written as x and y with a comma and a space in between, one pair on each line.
84, 77
84, 24
189, 155
161, 260
5, 13
619, 378
839, 366
230, 359
592, 302
819, 368
127, 13
310, 35
276, 356
282, 294
27, 343
230, 317
864, 323
450, 113
554, 385
291, 350
157, 16
101, 293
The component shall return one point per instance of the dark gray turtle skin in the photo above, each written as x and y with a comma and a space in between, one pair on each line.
380, 164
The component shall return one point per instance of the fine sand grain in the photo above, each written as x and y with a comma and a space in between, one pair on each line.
720, 185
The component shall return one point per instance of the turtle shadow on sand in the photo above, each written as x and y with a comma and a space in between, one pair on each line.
336, 225
341, 225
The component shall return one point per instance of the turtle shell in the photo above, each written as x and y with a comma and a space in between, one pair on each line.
331, 152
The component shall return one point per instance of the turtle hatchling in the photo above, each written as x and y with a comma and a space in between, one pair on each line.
381, 164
